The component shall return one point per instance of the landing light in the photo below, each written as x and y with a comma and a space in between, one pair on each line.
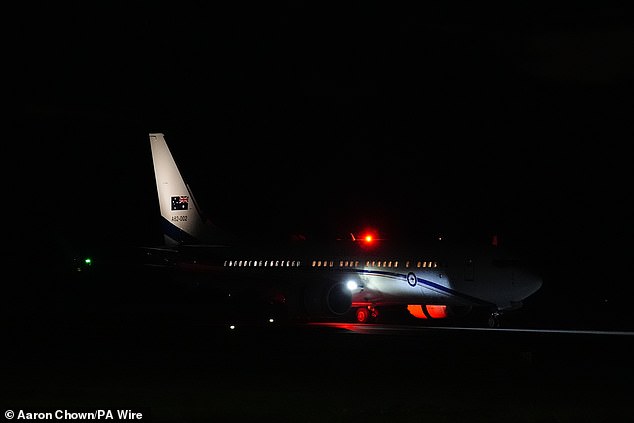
352, 285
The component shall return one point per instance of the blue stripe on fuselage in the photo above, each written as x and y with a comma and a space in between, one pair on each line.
426, 283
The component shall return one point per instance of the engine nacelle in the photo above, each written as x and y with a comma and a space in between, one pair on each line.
437, 311
327, 299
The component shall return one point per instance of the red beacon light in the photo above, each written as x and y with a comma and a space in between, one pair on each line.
366, 239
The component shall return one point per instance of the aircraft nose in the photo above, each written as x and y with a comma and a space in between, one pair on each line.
535, 283
530, 281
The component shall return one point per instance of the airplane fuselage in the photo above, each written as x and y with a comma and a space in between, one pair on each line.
376, 276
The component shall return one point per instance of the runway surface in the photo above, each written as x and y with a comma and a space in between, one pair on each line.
178, 366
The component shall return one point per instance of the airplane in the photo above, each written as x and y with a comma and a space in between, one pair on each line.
352, 279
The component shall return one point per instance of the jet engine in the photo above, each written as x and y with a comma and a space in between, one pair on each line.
327, 299
438, 311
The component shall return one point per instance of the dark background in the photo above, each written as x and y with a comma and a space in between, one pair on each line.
303, 118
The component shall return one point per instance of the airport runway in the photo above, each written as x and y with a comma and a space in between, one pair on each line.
175, 366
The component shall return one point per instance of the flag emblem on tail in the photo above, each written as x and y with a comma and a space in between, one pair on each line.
180, 202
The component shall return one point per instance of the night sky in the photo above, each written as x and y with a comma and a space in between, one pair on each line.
300, 118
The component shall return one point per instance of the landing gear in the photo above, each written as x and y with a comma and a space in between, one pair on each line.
494, 320
365, 314
362, 315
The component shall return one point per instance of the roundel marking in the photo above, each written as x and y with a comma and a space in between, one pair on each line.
411, 279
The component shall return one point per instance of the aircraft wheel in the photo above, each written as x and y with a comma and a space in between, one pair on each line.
494, 320
362, 314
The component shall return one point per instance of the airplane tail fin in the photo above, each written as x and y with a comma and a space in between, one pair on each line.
182, 220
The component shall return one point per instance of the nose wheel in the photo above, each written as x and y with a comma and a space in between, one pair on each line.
494, 320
